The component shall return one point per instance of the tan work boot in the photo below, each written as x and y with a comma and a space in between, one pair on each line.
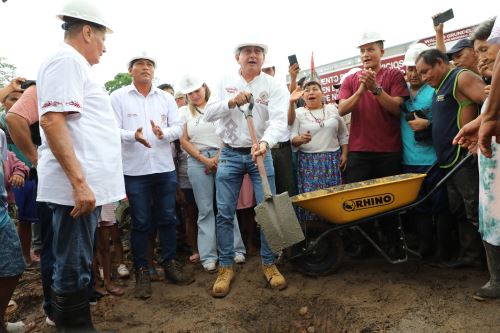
223, 283
274, 277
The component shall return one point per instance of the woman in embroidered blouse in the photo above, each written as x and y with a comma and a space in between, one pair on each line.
201, 142
320, 136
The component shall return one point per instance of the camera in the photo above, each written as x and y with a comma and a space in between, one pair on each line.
26, 84
423, 136
411, 115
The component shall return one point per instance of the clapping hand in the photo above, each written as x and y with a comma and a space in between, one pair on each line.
139, 137
157, 130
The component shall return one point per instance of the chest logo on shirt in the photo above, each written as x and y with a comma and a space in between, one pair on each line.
231, 90
439, 98
132, 115
163, 119
263, 98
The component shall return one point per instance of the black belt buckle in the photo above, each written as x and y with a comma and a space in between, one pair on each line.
241, 150
282, 144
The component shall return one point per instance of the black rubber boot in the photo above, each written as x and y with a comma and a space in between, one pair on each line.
443, 238
491, 290
425, 228
470, 247
71, 312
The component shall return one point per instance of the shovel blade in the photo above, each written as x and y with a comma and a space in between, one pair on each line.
279, 223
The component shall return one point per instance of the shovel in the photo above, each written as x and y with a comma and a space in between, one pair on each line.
275, 214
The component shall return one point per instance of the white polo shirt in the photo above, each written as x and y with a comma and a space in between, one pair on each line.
269, 112
133, 110
200, 133
64, 84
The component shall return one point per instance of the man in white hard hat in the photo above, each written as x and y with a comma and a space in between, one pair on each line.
148, 122
238, 154
373, 97
79, 166
418, 156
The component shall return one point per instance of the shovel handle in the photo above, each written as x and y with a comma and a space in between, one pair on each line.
259, 160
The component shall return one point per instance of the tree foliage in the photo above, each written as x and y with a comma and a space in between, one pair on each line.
7, 72
120, 80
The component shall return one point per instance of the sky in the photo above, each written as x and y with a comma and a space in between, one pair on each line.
197, 37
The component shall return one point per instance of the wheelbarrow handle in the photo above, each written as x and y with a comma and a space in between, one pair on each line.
259, 160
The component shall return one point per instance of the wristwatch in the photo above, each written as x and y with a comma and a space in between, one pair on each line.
377, 91
267, 144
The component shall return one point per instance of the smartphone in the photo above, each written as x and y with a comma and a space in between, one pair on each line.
443, 17
26, 84
292, 59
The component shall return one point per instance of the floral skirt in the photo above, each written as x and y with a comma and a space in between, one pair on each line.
489, 196
316, 171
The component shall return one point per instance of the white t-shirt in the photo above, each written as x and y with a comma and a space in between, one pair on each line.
328, 138
64, 84
269, 112
133, 110
200, 133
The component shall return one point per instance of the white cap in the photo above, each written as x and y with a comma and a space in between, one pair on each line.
412, 53
84, 10
369, 37
242, 45
189, 83
349, 73
142, 55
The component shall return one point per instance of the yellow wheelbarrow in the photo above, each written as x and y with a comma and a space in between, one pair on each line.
349, 206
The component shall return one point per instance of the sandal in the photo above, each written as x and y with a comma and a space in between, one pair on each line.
115, 290
194, 258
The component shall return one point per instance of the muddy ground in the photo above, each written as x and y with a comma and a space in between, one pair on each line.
368, 295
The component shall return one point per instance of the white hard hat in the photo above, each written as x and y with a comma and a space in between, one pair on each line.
369, 37
84, 10
141, 55
242, 45
190, 83
349, 73
412, 53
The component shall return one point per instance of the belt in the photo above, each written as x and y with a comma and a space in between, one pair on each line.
241, 150
282, 144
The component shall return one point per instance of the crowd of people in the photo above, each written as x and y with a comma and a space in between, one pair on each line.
72, 153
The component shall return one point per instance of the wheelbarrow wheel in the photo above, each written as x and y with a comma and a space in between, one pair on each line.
325, 258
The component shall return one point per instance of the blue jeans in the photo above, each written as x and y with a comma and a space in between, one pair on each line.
152, 199
232, 166
204, 194
47, 259
73, 248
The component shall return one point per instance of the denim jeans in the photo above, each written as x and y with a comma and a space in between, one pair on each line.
232, 166
47, 259
73, 248
152, 200
204, 194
